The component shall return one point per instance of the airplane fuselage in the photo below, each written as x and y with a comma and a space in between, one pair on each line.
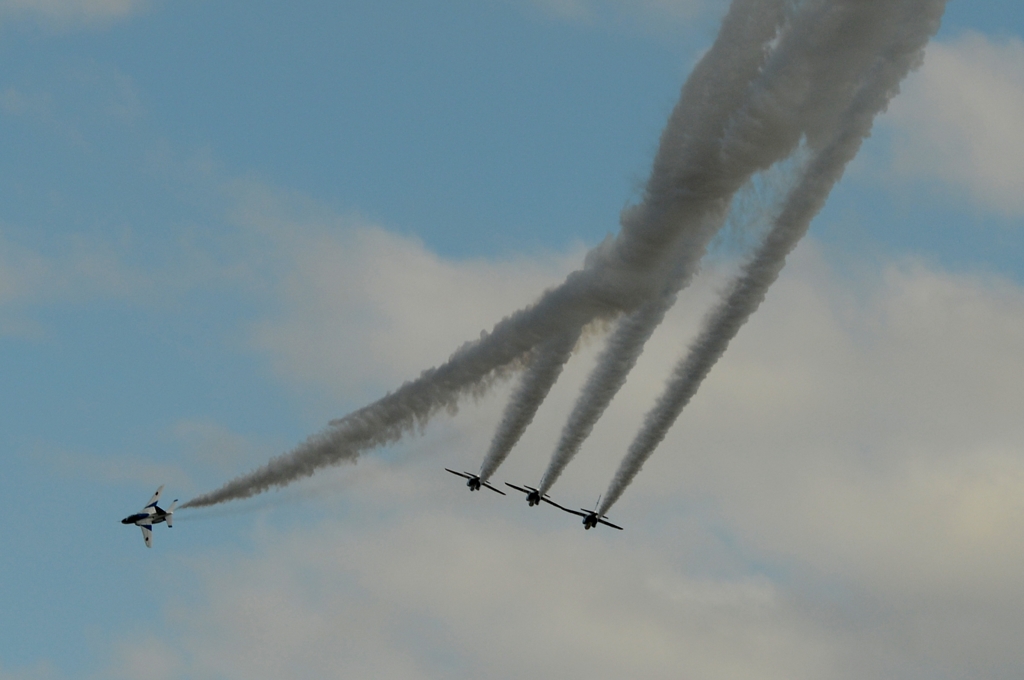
533, 498
474, 484
590, 521
146, 518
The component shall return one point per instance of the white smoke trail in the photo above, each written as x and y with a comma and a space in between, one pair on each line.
690, 178
799, 88
697, 227
536, 382
899, 31
624, 347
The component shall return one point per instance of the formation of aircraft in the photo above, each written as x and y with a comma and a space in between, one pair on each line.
534, 497
154, 514
150, 515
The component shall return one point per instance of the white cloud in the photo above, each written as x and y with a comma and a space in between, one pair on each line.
362, 308
78, 267
843, 499
201, 450
65, 13
404, 308
959, 120
423, 589
873, 435
79, 270
29, 278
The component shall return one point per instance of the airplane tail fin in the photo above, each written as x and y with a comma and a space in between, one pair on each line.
170, 513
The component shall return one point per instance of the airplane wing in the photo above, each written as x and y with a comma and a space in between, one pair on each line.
156, 497
607, 523
460, 474
551, 502
573, 512
147, 534
518, 488
487, 484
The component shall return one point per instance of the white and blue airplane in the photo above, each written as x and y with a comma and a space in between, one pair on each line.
150, 515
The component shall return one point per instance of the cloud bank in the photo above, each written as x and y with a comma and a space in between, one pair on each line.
960, 120
842, 500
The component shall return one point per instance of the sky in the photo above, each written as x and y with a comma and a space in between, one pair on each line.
223, 224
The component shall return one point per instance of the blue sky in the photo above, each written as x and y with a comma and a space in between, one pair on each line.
224, 223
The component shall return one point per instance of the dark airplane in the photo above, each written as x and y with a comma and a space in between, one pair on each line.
533, 496
150, 515
591, 519
475, 482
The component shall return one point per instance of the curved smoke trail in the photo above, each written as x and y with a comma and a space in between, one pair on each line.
898, 32
751, 24
800, 88
691, 176
624, 347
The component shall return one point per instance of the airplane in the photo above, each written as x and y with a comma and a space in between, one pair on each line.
533, 496
150, 515
591, 519
475, 482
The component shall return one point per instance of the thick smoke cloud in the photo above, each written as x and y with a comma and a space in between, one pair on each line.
777, 71
898, 31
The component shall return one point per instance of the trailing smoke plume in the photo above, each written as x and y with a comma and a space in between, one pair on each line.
898, 30
739, 113
800, 90
624, 347
754, 27
618, 275
534, 386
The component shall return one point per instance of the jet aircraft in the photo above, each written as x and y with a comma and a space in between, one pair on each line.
150, 515
475, 482
591, 519
533, 496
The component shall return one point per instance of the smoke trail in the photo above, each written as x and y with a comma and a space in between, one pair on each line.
537, 380
801, 86
907, 27
689, 178
624, 348
760, 22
